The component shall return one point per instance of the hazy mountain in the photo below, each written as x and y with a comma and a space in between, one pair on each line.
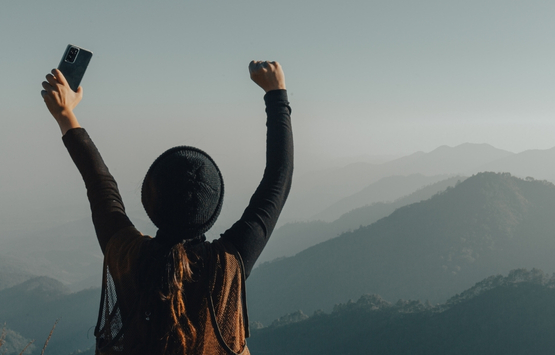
488, 224
68, 252
13, 272
536, 163
12, 343
387, 189
314, 191
31, 309
500, 315
295, 237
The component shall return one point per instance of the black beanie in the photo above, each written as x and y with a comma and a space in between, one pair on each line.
183, 193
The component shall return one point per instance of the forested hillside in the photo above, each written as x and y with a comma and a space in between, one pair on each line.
488, 224
32, 307
295, 237
500, 315
12, 343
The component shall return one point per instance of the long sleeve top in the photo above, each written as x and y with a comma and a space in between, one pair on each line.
121, 243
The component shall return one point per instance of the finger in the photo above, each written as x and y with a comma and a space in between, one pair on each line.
42, 93
79, 91
47, 86
60, 76
252, 66
51, 79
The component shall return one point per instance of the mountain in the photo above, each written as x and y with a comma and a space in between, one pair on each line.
295, 237
500, 315
32, 307
68, 252
536, 163
13, 272
12, 343
488, 224
311, 192
387, 189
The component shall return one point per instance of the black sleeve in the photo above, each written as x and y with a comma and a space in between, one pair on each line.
251, 233
108, 212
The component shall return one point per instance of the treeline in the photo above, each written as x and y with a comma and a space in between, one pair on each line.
31, 308
499, 315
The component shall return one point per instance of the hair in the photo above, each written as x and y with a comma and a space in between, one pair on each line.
168, 329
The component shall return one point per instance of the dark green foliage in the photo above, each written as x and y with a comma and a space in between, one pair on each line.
512, 315
488, 224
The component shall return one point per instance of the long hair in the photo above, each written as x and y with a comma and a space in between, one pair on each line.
169, 330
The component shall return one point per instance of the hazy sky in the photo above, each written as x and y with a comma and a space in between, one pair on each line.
364, 77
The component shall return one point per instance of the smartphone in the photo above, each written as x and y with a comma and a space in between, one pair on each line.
74, 64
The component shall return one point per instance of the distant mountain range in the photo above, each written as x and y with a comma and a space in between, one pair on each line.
499, 315
69, 252
31, 308
313, 192
488, 224
13, 272
535, 163
387, 189
292, 238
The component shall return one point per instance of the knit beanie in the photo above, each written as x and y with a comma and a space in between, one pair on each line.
183, 193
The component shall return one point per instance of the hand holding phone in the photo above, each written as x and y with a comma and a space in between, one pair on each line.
74, 64
61, 100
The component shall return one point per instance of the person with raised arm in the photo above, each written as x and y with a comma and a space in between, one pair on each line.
176, 293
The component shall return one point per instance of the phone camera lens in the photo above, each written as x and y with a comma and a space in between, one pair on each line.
72, 53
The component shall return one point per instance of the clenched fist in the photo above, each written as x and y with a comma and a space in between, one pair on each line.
268, 75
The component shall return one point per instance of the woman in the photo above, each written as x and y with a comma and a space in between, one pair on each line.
176, 293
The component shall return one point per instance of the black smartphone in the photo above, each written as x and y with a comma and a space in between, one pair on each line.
74, 64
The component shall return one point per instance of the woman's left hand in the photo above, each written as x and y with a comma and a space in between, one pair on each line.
61, 100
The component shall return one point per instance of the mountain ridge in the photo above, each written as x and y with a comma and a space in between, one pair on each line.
292, 238
488, 224
508, 315
315, 189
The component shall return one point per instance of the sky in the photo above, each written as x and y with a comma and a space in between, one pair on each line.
365, 78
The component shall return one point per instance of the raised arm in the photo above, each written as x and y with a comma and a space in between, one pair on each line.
251, 233
107, 208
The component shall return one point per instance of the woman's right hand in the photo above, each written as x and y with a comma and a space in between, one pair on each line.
60, 100
268, 75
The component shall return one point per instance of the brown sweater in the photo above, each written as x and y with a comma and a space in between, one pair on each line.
215, 300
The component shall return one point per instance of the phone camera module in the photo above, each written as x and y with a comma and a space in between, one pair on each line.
71, 55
